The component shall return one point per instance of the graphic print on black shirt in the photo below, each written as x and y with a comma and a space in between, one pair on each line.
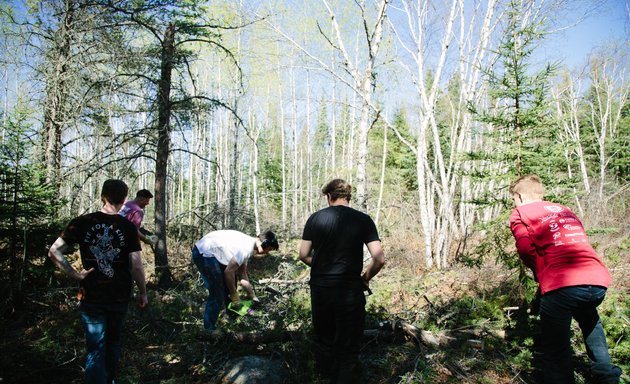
105, 243
103, 250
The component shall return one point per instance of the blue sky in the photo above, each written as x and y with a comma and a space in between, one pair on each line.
608, 22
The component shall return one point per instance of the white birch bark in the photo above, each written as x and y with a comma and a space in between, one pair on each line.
566, 100
610, 96
364, 82
382, 178
439, 181
294, 150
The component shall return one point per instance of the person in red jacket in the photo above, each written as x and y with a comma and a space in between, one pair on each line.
551, 241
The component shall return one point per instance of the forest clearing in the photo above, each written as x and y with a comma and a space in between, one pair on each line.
492, 333
233, 114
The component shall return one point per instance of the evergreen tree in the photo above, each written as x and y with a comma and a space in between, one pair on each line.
518, 119
24, 197
518, 136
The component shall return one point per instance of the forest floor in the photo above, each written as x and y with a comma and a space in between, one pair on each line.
42, 340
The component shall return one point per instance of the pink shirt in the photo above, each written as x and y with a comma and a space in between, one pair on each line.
132, 212
551, 240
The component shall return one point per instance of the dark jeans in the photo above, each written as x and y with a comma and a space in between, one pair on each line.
212, 276
557, 308
338, 323
103, 328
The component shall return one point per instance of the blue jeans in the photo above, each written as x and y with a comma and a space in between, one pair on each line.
212, 276
557, 308
103, 325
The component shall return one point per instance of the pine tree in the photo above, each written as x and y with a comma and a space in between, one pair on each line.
518, 119
518, 135
24, 196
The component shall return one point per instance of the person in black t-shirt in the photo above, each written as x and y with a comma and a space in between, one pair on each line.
110, 255
332, 244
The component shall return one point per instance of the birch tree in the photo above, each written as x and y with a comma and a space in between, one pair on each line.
608, 97
567, 96
357, 73
364, 81
439, 171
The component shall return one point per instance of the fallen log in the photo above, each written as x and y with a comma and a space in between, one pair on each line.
384, 332
446, 338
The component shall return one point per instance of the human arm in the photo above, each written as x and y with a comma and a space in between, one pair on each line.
305, 252
55, 253
524, 244
143, 238
378, 261
147, 239
137, 273
245, 283
229, 277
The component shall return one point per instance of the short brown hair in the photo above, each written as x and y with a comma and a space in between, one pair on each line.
338, 189
529, 186
144, 193
114, 191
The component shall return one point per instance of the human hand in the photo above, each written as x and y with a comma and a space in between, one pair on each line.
151, 240
143, 300
83, 274
235, 301
366, 285
236, 306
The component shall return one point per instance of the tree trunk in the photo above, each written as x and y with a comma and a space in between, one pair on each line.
234, 174
55, 108
162, 269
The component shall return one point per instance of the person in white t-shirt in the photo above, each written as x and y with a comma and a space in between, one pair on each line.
221, 257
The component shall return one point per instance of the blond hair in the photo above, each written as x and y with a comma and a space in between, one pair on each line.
529, 187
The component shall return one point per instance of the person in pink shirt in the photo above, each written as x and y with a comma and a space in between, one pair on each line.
133, 210
551, 241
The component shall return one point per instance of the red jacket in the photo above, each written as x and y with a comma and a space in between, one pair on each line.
551, 240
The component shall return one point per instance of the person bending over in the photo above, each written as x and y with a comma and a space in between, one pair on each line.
551, 241
221, 258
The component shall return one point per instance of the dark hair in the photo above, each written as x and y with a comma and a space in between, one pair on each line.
144, 193
338, 189
269, 241
114, 191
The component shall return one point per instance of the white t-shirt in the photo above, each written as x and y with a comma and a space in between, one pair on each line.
226, 245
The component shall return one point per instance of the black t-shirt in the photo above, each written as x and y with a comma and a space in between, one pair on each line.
338, 234
105, 243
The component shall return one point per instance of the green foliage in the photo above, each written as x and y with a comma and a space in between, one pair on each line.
520, 134
322, 136
494, 245
271, 180
615, 315
25, 200
400, 158
400, 161
519, 122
